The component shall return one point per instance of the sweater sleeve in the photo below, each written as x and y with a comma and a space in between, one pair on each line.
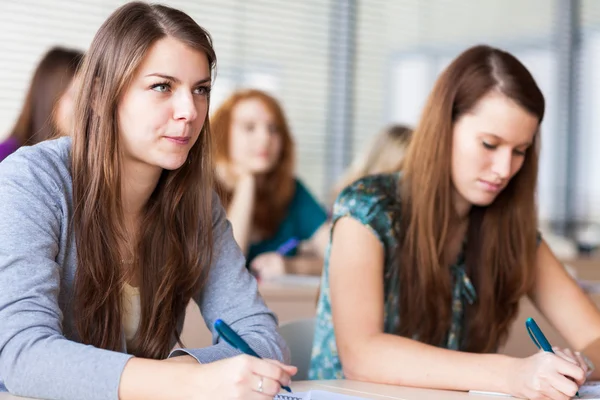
231, 294
36, 360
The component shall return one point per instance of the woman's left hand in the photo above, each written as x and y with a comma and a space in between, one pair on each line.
268, 265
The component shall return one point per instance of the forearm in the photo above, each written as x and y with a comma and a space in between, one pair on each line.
304, 265
392, 359
146, 379
240, 212
592, 351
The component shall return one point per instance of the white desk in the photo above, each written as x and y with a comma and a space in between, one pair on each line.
366, 390
379, 392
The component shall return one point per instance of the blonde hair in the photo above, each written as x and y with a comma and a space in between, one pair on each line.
384, 154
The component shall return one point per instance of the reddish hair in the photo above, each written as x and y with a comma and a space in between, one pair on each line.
274, 190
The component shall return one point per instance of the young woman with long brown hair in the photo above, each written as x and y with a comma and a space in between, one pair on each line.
266, 204
48, 105
108, 234
449, 246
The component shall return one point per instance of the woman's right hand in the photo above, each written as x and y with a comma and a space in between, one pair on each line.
231, 174
545, 376
241, 377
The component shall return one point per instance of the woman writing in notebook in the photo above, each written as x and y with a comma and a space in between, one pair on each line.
266, 204
108, 234
449, 246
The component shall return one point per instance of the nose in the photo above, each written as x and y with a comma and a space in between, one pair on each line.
184, 107
263, 136
502, 165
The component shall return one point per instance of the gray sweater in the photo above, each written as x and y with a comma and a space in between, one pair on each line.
40, 352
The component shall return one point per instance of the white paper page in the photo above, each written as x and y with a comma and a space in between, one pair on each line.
316, 395
589, 391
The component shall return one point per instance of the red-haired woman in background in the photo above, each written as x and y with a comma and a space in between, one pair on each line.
268, 207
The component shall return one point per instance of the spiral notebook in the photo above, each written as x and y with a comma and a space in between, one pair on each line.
316, 395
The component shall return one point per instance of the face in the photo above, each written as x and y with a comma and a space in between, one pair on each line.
163, 110
255, 141
64, 110
489, 147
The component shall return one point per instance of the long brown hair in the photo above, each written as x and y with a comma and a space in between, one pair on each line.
501, 237
275, 190
174, 249
50, 81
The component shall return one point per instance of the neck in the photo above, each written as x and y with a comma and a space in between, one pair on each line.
138, 182
461, 206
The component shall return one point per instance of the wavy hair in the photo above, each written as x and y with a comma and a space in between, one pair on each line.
274, 190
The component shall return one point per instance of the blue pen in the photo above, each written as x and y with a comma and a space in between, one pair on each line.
538, 338
288, 246
237, 342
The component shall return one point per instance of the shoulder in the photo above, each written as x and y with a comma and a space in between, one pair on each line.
43, 166
369, 197
300, 190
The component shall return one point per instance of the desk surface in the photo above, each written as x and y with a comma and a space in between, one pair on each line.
365, 390
380, 392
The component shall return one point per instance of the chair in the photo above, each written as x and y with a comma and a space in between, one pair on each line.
299, 337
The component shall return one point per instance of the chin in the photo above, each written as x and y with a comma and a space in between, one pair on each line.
173, 165
483, 200
262, 168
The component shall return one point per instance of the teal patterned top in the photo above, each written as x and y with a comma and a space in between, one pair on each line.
373, 201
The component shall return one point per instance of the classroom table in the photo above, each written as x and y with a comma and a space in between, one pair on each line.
364, 390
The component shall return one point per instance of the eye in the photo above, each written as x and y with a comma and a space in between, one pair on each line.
520, 153
249, 127
161, 87
273, 130
488, 145
202, 90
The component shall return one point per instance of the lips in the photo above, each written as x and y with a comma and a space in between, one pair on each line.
491, 187
181, 140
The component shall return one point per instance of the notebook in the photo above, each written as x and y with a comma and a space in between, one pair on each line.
589, 391
316, 395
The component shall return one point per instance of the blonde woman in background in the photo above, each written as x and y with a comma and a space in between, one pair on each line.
383, 155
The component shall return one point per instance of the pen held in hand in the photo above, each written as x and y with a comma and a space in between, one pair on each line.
538, 338
235, 341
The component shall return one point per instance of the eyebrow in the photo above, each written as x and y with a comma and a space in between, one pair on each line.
175, 80
528, 144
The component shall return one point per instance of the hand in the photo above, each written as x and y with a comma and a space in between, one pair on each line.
242, 377
268, 265
231, 174
545, 376
574, 357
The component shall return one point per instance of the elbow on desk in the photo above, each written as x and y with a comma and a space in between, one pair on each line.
356, 366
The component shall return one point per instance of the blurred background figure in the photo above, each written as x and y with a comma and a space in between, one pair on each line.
383, 155
48, 105
270, 210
